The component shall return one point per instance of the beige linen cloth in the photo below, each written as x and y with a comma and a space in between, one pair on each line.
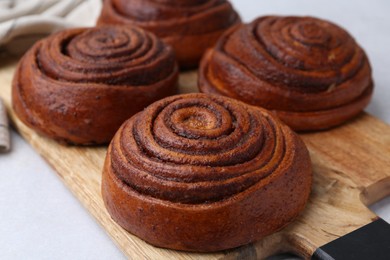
22, 22
5, 141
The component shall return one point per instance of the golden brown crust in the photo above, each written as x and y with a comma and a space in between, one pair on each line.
205, 173
79, 85
309, 71
189, 26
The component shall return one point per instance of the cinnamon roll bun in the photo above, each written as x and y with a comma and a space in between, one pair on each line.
201, 172
189, 26
79, 85
311, 72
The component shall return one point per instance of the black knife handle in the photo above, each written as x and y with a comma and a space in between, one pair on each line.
371, 241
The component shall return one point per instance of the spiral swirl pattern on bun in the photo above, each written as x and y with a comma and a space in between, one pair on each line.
79, 85
203, 173
189, 26
311, 72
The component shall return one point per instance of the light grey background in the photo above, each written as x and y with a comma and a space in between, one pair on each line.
40, 218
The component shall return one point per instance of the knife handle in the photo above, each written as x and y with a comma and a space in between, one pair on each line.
371, 241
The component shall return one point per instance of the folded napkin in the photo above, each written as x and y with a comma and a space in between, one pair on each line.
22, 22
4, 130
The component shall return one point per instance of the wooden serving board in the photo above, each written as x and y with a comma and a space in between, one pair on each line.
351, 170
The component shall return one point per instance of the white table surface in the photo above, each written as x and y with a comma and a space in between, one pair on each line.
41, 219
